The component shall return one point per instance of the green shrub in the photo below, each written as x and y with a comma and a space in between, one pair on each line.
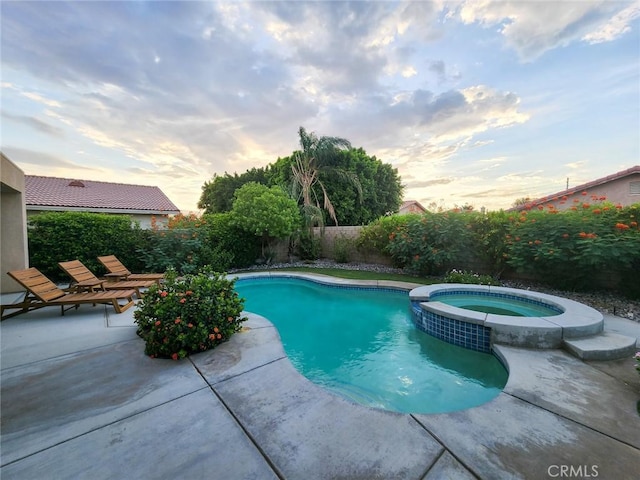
462, 276
568, 249
60, 236
342, 248
226, 240
432, 243
307, 246
181, 249
191, 242
375, 237
490, 231
188, 315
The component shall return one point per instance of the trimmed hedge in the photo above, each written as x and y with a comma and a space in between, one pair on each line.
61, 236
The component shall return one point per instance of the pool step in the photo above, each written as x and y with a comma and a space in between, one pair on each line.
604, 346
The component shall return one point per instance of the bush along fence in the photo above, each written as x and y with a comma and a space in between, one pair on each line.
592, 245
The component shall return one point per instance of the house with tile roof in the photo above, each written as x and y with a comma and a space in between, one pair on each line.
621, 188
142, 203
411, 206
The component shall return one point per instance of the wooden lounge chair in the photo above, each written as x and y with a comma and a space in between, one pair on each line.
42, 292
83, 279
117, 270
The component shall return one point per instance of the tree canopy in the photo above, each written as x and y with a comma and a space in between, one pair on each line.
265, 212
377, 192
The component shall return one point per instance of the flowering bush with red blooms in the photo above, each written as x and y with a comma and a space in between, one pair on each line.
189, 314
432, 243
566, 248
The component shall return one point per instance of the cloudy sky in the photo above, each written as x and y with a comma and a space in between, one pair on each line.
474, 102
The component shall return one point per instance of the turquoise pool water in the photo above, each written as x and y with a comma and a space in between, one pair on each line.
362, 344
496, 304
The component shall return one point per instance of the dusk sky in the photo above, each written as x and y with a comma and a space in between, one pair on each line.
474, 102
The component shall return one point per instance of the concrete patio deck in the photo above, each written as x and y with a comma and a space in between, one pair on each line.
79, 399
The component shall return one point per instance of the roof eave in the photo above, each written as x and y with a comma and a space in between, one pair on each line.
129, 211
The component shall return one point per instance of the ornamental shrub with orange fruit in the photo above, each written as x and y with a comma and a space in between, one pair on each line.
189, 314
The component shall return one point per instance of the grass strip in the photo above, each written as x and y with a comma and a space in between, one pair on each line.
359, 274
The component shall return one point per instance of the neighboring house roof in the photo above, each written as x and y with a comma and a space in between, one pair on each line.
52, 193
580, 188
411, 206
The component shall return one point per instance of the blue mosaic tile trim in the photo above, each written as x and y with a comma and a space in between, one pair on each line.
464, 334
475, 293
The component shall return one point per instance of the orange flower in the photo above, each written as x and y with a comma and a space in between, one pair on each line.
537, 242
585, 205
188, 292
582, 234
633, 224
190, 325
219, 336
565, 235
157, 322
622, 226
163, 293
584, 193
597, 211
177, 320
212, 336
174, 356
182, 300
215, 329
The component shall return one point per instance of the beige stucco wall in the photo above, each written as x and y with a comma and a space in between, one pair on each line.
14, 253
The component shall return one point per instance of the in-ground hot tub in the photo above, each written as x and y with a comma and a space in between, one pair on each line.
477, 316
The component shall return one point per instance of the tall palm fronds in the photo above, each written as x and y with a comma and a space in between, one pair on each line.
316, 156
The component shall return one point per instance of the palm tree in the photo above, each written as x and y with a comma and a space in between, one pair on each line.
315, 157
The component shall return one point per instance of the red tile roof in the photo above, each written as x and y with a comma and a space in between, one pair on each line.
580, 188
408, 203
74, 194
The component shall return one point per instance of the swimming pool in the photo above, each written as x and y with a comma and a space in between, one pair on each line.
361, 343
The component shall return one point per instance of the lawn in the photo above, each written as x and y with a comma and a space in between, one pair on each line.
360, 274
